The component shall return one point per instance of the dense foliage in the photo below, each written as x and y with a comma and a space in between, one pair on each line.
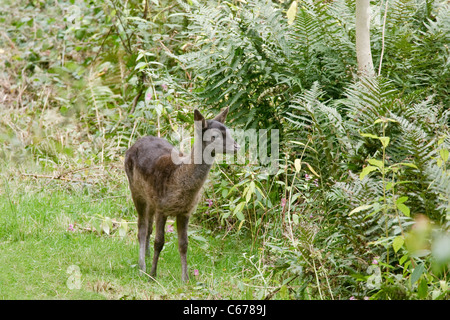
360, 205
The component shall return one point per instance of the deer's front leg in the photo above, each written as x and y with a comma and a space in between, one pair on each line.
182, 226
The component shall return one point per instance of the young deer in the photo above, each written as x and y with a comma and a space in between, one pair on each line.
163, 186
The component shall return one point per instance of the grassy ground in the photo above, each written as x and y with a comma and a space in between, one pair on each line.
41, 258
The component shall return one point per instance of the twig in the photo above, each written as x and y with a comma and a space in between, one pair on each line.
165, 9
127, 48
259, 287
170, 52
271, 294
101, 199
11, 43
317, 280
50, 177
101, 46
72, 171
57, 177
135, 100
145, 10
132, 134
21, 91
154, 280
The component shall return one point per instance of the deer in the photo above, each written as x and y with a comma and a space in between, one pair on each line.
164, 183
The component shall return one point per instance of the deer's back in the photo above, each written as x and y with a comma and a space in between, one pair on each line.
151, 173
145, 154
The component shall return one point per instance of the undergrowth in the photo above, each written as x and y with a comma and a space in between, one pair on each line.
358, 207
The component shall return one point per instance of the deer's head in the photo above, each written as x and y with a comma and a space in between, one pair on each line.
215, 136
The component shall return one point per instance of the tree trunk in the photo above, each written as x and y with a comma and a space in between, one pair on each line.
363, 52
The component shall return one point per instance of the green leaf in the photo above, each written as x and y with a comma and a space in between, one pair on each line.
361, 208
260, 192
384, 141
435, 294
97, 226
159, 108
198, 238
366, 171
398, 243
238, 211
444, 154
444, 285
141, 65
376, 208
406, 211
423, 289
377, 121
240, 215
369, 135
418, 270
249, 191
239, 207
384, 120
140, 56
312, 170
401, 200
284, 292
224, 193
298, 165
106, 225
292, 12
252, 187
123, 228
376, 163
403, 259
295, 218
411, 165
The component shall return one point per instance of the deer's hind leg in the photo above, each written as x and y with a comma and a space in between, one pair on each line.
160, 222
145, 226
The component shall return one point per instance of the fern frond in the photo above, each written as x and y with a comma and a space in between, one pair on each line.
440, 184
325, 127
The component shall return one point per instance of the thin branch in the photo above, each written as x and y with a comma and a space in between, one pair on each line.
271, 294
135, 100
60, 176
145, 10
152, 278
103, 42
127, 47
11, 43
51, 177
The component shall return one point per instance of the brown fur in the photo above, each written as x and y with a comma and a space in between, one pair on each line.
161, 188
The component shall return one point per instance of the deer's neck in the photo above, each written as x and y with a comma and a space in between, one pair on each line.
194, 173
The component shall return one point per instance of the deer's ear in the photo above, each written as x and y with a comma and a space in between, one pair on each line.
199, 117
222, 115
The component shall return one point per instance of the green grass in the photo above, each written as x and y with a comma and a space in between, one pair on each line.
37, 250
